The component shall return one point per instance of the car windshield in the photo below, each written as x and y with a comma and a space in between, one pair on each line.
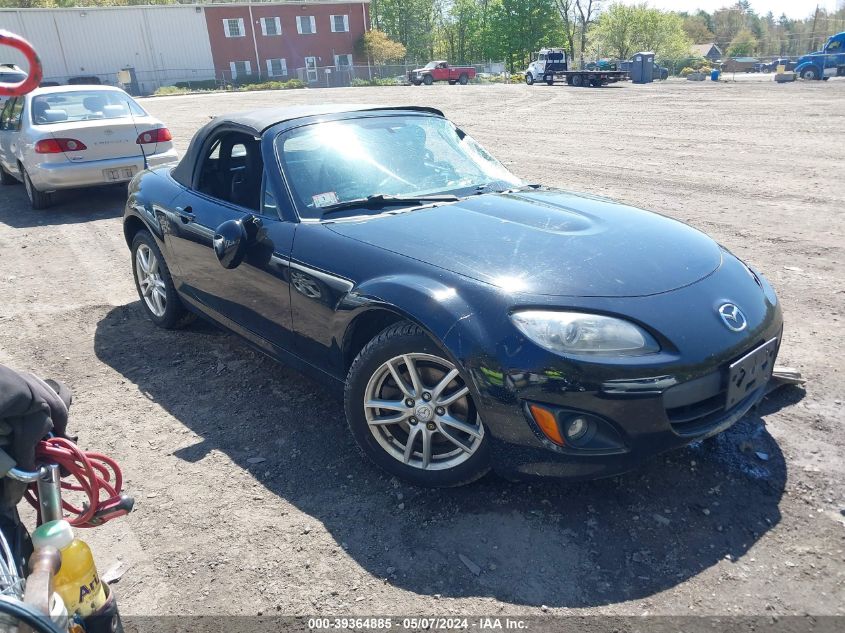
406, 156
430, 65
83, 105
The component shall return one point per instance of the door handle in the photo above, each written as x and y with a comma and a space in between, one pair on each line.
185, 214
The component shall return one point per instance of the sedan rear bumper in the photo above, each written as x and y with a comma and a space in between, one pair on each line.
52, 176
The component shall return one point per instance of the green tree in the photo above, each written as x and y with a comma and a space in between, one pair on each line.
744, 44
697, 30
375, 45
624, 29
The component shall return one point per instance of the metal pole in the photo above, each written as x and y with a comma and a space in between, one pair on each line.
50, 493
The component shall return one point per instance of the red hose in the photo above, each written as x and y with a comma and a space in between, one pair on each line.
35, 72
94, 473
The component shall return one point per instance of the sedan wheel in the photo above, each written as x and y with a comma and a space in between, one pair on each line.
412, 413
155, 285
37, 199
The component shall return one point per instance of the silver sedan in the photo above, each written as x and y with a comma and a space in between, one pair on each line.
67, 137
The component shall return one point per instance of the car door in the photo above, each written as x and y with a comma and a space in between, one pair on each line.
254, 297
10, 122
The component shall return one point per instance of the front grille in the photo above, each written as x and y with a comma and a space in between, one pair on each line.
698, 417
696, 406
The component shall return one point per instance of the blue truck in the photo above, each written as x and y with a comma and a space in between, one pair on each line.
826, 63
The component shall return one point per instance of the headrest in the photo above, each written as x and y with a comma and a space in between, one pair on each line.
114, 110
54, 116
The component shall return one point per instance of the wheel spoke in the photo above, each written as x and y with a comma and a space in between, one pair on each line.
398, 380
457, 441
415, 377
153, 263
444, 382
450, 421
143, 262
454, 397
426, 448
409, 445
393, 419
146, 287
391, 405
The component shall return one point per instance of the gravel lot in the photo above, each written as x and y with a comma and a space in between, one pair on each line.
753, 523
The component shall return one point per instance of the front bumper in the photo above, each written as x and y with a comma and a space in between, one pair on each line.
647, 405
69, 175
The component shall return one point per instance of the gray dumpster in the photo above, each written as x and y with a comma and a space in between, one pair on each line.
642, 68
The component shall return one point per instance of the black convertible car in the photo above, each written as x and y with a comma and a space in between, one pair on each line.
474, 321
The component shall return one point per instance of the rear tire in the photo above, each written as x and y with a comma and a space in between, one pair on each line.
578, 81
38, 200
463, 80
433, 459
170, 313
595, 82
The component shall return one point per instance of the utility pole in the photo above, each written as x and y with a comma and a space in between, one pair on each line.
813, 32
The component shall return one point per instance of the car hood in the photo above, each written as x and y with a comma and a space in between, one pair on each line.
547, 242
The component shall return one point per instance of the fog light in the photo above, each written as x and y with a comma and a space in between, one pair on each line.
576, 428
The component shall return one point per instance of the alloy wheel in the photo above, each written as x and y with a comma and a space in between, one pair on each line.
150, 281
420, 411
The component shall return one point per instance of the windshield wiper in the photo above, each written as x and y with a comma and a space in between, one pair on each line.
381, 200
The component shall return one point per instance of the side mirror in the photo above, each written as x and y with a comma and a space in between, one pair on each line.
230, 242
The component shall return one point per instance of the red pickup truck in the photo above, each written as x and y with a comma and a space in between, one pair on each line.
441, 71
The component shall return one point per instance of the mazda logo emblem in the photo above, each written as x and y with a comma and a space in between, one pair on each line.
732, 317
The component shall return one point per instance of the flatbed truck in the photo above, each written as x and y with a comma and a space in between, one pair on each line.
552, 64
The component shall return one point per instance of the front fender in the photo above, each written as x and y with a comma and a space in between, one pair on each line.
432, 304
812, 64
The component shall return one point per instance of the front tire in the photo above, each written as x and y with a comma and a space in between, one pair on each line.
38, 200
809, 74
154, 284
428, 80
6, 178
411, 412
529, 79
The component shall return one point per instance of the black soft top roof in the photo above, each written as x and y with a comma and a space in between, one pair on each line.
256, 122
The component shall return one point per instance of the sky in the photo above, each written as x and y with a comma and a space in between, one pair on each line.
792, 8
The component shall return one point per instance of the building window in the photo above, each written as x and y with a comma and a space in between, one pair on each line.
271, 26
240, 69
343, 60
277, 68
306, 25
234, 27
340, 23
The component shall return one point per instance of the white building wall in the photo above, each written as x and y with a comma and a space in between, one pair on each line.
164, 44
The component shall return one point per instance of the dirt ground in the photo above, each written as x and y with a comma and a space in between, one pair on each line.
753, 523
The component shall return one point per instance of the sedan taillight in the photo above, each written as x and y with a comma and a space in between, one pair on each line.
58, 145
158, 135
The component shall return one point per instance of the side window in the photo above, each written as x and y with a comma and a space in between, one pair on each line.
15, 114
4, 116
834, 46
269, 206
232, 169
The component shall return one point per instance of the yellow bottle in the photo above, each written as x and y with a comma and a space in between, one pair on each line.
77, 581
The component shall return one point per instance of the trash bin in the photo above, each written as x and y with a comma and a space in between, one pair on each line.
642, 68
714, 74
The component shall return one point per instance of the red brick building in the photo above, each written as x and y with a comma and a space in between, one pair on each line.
274, 40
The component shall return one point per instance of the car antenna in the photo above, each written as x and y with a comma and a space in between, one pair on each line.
138, 134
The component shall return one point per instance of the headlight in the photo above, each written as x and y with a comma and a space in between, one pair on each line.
580, 333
